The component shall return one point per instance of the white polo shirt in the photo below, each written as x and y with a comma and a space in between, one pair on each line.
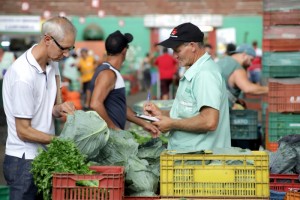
29, 93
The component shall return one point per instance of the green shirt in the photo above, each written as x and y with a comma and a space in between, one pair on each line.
228, 66
201, 85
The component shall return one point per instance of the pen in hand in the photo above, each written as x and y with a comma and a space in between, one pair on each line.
148, 97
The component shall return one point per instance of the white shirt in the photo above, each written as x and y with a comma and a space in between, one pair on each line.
29, 93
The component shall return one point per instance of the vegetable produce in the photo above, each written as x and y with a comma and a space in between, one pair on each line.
60, 156
142, 170
88, 131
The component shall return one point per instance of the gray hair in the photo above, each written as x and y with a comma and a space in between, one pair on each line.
58, 27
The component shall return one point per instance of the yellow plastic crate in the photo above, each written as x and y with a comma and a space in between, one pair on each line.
194, 175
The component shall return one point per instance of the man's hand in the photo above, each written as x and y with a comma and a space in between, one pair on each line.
164, 124
153, 130
151, 109
67, 108
63, 109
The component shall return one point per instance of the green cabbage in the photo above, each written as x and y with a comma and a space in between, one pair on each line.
88, 131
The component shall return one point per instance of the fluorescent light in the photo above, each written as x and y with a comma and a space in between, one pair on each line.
5, 43
206, 28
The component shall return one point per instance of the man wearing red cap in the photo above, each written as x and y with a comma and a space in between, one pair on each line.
199, 117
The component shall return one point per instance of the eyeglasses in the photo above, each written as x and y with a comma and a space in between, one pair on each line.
62, 48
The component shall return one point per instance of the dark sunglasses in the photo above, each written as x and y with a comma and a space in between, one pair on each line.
62, 48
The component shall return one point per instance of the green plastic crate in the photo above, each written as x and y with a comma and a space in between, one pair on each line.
243, 124
280, 125
4, 192
281, 64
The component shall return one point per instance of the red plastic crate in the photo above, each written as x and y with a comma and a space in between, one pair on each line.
284, 182
272, 146
281, 32
291, 17
253, 102
111, 185
141, 198
277, 5
284, 95
281, 45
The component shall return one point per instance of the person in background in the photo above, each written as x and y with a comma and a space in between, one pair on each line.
108, 87
29, 94
70, 73
167, 68
6, 59
234, 72
145, 73
86, 65
154, 53
230, 48
209, 49
254, 70
199, 117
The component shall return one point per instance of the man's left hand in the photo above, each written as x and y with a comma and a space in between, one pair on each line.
152, 129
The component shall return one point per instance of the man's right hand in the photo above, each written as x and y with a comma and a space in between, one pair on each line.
151, 109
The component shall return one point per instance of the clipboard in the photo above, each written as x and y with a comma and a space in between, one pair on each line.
146, 117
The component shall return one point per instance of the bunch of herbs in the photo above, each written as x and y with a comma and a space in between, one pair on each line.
60, 156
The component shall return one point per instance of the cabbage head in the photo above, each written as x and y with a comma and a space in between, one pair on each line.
87, 130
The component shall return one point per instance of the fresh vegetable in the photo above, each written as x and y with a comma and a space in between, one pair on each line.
88, 131
60, 156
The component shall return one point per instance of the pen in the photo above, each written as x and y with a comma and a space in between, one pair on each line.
148, 96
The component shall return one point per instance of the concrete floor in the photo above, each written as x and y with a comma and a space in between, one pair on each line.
131, 100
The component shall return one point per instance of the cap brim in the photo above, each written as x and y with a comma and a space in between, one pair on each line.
233, 52
128, 37
169, 43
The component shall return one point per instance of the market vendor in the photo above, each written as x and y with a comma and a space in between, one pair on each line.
199, 117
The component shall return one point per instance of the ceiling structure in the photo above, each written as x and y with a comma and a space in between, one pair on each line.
130, 7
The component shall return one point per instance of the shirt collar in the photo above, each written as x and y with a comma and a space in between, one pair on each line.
195, 68
32, 61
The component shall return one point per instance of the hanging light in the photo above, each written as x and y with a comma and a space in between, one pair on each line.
62, 14
121, 23
46, 14
81, 20
25, 6
101, 13
95, 3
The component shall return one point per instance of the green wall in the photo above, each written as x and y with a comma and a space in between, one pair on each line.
134, 25
248, 28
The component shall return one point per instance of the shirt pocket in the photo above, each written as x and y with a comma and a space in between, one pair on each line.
187, 107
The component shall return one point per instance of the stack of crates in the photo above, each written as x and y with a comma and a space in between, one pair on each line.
281, 65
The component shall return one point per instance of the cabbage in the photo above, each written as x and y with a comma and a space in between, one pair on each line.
87, 130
